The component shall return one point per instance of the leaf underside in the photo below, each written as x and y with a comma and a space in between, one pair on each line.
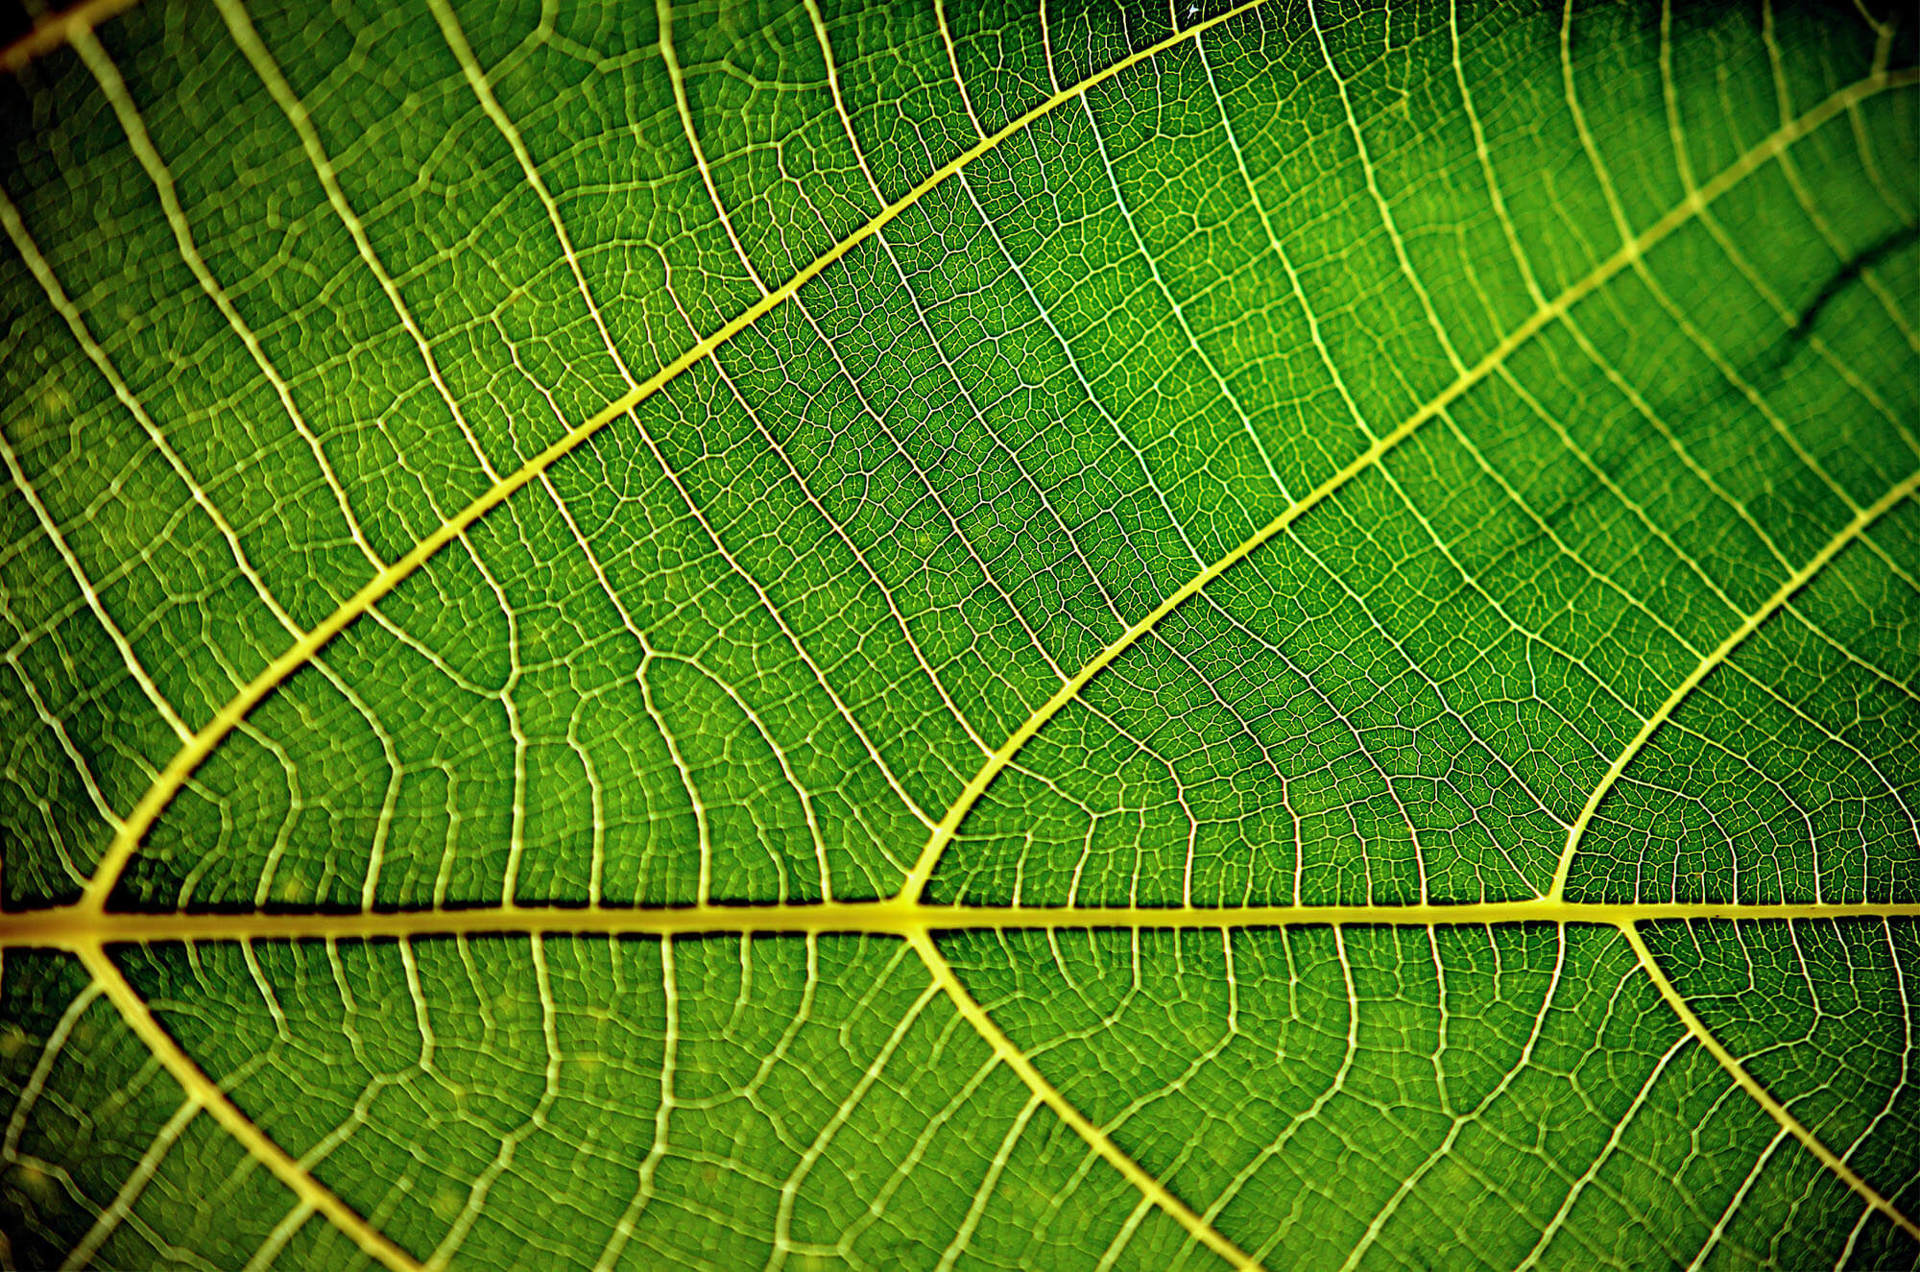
766, 634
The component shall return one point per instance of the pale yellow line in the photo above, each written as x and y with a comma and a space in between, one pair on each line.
201, 1090
127, 841
1098, 1140
72, 927
1720, 653
1629, 253
1761, 1096
663, 18
57, 30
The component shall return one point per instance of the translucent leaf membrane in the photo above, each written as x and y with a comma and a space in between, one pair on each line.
1491, 1097
724, 1102
813, 634
104, 1159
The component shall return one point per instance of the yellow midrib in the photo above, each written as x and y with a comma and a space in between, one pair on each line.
88, 934
74, 927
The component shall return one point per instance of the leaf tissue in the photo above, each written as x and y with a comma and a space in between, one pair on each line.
799, 634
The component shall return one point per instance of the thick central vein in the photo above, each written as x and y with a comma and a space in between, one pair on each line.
74, 927
1628, 254
88, 929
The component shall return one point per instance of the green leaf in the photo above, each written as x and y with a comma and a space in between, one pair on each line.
795, 635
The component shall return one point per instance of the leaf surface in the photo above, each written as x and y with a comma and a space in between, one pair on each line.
798, 635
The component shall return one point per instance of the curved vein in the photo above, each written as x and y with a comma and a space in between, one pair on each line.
1098, 1140
203, 1092
1761, 1096
1627, 256
195, 751
1719, 654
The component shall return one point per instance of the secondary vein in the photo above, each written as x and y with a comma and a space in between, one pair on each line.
1628, 255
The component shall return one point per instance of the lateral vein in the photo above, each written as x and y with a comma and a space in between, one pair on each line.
1854, 528
126, 841
57, 30
1626, 256
1761, 1096
202, 1091
1009, 1054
